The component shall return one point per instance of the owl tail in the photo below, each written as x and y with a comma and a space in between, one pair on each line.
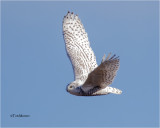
113, 90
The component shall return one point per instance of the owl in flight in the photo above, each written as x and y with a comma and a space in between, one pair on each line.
90, 79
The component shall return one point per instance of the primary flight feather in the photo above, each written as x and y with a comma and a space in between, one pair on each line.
90, 79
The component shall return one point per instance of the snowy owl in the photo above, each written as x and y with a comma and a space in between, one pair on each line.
90, 79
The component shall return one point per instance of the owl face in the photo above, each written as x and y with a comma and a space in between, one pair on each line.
72, 88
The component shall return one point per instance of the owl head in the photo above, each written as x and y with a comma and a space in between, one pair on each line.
73, 88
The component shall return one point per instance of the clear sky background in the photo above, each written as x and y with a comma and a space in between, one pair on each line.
36, 69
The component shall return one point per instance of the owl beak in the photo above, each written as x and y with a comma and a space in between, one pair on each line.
67, 88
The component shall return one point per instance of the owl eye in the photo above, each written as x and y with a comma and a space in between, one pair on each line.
71, 86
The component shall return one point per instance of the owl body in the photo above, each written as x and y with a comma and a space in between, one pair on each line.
90, 79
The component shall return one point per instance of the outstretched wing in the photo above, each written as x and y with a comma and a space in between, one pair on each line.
103, 75
78, 47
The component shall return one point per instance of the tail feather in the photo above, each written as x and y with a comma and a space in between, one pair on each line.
113, 90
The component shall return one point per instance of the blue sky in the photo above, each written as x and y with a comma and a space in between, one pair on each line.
36, 69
